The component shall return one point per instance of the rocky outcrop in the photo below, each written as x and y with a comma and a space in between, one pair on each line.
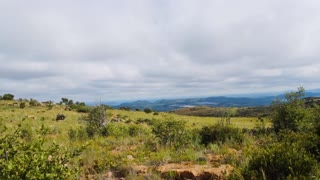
194, 171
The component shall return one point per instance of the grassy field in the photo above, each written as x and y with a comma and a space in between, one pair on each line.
121, 144
192, 121
120, 149
35, 116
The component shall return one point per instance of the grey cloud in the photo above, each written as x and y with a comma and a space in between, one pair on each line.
154, 49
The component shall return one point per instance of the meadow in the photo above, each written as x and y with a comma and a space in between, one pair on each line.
139, 145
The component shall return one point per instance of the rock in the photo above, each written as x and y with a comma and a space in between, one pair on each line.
108, 175
130, 157
194, 171
31, 117
140, 169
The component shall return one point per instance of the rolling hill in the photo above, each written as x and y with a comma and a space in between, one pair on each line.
218, 101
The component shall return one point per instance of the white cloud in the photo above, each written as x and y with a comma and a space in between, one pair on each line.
153, 49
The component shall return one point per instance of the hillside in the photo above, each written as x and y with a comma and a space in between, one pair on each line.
166, 105
205, 111
258, 111
221, 101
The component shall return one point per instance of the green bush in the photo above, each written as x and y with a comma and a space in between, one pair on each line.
309, 141
26, 133
292, 114
125, 108
147, 110
96, 121
7, 97
172, 133
22, 105
83, 109
35, 159
136, 130
281, 160
33, 102
220, 134
116, 130
77, 134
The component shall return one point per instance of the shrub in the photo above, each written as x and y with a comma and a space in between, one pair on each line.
136, 130
291, 113
77, 134
147, 110
26, 133
309, 141
171, 132
36, 159
22, 105
33, 102
125, 108
220, 134
50, 105
83, 109
280, 161
96, 121
7, 97
116, 130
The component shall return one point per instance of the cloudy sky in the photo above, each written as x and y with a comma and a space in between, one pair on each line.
149, 49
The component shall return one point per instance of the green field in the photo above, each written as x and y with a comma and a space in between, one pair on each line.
139, 145
35, 116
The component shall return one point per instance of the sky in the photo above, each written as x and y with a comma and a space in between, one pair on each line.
150, 49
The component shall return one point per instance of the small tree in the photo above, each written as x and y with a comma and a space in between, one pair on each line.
64, 101
290, 113
8, 97
96, 120
147, 110
70, 102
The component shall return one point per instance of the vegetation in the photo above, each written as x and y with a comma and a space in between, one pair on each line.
21, 158
7, 97
147, 110
205, 111
220, 134
104, 143
294, 151
171, 133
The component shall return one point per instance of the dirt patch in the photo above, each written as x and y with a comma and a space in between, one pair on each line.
214, 160
187, 170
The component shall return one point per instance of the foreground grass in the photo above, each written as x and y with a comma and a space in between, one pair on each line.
120, 149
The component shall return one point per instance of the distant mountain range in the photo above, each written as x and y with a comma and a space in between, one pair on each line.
218, 101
